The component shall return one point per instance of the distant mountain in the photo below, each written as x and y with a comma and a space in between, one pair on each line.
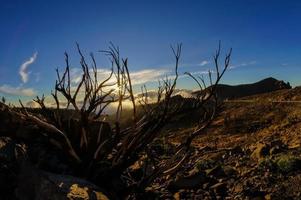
184, 93
153, 95
237, 91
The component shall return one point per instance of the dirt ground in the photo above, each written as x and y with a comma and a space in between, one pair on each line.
251, 151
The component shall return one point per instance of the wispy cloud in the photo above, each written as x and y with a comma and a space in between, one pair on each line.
17, 91
137, 77
37, 76
243, 64
75, 75
148, 75
204, 62
200, 64
24, 73
202, 72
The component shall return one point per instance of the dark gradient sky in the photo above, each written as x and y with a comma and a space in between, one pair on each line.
265, 37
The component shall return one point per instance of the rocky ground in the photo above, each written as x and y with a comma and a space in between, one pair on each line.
251, 151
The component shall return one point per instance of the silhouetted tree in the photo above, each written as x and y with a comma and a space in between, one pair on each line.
104, 155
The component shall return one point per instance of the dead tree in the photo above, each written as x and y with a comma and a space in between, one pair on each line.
207, 100
124, 146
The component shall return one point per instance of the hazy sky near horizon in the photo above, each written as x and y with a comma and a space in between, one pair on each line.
265, 37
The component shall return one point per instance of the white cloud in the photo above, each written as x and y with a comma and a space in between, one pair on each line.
75, 75
243, 64
202, 72
204, 62
137, 77
17, 91
24, 67
148, 75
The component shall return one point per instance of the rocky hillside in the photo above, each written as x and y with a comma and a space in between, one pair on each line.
251, 151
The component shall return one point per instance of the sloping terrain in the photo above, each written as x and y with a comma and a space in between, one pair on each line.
252, 150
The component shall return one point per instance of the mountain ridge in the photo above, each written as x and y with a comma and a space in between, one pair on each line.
266, 85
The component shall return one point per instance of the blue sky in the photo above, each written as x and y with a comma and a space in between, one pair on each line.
265, 37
